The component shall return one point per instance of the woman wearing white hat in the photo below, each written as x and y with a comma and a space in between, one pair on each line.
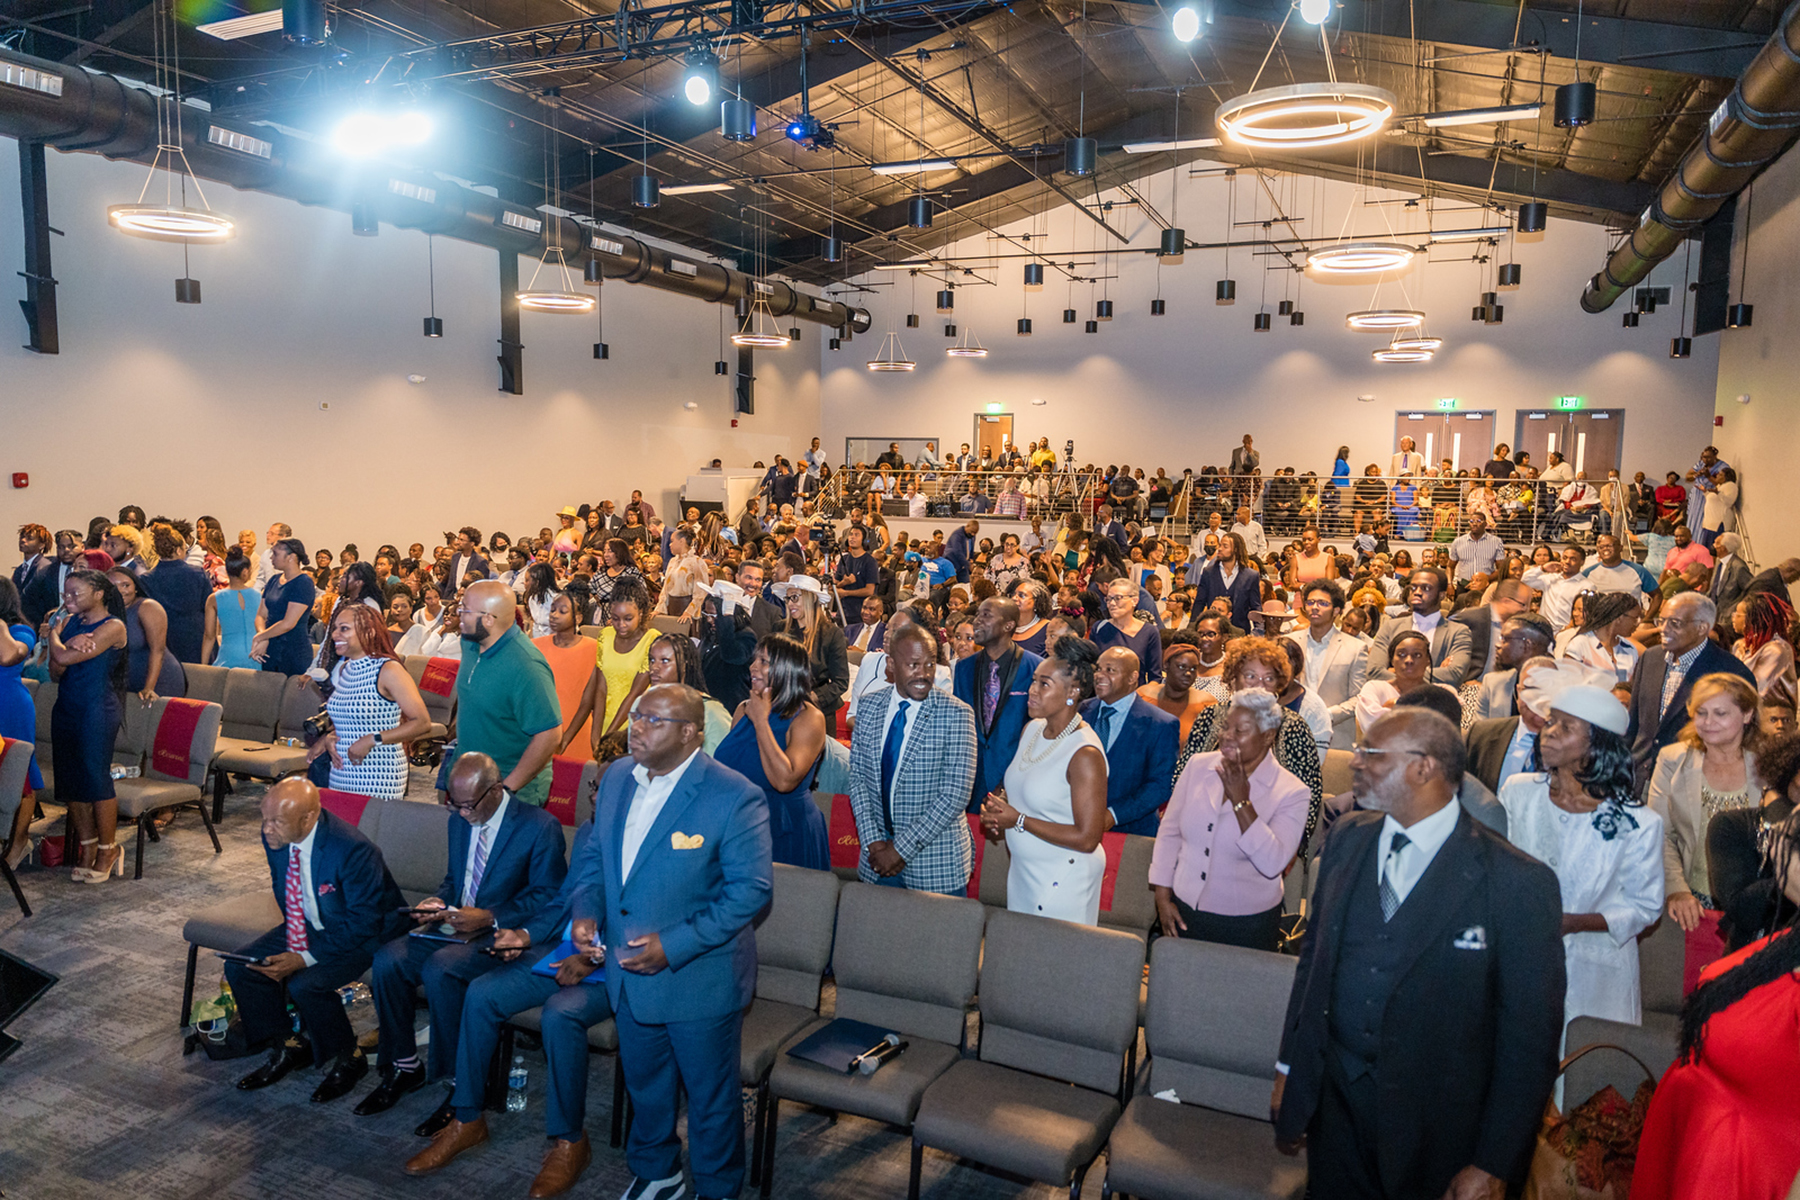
824, 641
1576, 813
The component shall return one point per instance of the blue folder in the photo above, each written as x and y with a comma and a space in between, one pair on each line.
837, 1044
542, 966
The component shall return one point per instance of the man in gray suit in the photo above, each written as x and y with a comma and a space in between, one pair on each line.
1451, 657
1522, 637
912, 769
1335, 662
1730, 576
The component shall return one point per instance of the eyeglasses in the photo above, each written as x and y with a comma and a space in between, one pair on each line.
641, 716
1378, 751
474, 804
1676, 623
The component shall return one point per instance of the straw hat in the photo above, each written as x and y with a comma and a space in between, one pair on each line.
804, 583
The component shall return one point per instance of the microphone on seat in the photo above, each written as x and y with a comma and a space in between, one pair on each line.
869, 1060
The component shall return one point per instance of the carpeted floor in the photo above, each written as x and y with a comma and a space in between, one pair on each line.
100, 1103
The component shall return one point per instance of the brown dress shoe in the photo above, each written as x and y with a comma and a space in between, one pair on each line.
451, 1141
563, 1164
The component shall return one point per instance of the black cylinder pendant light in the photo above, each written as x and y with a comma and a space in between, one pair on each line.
1225, 292
1496, 313
1574, 105
1681, 347
1509, 275
1034, 277
836, 344
1532, 217
1296, 317
912, 320
946, 300
1174, 243
918, 212
831, 249
602, 350
949, 330
1157, 308
1738, 316
724, 368
645, 191
1070, 316
1631, 320
1093, 327
1024, 326
737, 120
1284, 308
1263, 322
1103, 310
1079, 155
434, 327
591, 272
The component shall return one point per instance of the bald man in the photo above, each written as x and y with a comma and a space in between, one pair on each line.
994, 683
506, 704
339, 904
1140, 741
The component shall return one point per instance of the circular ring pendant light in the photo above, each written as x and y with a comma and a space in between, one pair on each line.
892, 356
170, 224
1381, 319
1303, 116
556, 302
969, 347
1391, 355
1360, 258
1429, 345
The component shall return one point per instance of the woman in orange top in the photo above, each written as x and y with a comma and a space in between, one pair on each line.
571, 658
1725, 1121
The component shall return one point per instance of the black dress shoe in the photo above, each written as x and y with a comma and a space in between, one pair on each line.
387, 1093
441, 1116
285, 1058
343, 1076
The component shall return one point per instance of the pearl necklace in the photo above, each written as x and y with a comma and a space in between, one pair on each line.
1048, 744
1207, 666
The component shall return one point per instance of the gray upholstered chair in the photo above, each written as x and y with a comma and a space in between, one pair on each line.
15, 769
1662, 954
414, 839
1213, 1035
441, 709
43, 698
206, 682
793, 950
904, 960
1133, 906
1334, 772
248, 742
157, 789
1662, 960
1059, 1006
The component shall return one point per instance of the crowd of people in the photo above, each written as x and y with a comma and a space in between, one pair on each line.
1611, 737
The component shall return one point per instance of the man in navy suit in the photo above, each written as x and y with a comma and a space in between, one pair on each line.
468, 554
1666, 674
571, 999
42, 593
1140, 743
505, 863
686, 870
339, 905
871, 632
34, 544
960, 547
994, 683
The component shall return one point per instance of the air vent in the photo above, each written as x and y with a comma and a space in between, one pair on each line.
762, 289
412, 191
32, 80
607, 245
521, 221
243, 143
677, 267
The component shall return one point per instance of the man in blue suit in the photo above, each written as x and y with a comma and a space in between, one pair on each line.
994, 684
339, 904
572, 1001
1140, 742
686, 871
505, 863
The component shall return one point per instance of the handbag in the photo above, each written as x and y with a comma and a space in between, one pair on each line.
1591, 1153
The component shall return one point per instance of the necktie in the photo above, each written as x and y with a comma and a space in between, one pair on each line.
1390, 899
296, 905
890, 760
1671, 684
1103, 725
478, 867
990, 694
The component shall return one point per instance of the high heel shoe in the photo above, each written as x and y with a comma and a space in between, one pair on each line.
80, 873
103, 869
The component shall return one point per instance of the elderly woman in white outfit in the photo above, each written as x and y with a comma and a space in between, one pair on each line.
1576, 812
1052, 809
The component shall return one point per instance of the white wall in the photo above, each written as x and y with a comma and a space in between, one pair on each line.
216, 408
1763, 362
1181, 390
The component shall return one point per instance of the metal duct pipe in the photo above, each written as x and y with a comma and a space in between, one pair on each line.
69, 108
1754, 126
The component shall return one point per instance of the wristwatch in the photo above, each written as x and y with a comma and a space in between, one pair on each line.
378, 734
1020, 823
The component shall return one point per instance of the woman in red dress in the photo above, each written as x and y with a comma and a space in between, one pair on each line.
1725, 1121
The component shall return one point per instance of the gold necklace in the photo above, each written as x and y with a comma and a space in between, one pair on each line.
1048, 744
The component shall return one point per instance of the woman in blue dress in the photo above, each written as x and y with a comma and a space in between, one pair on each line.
776, 741
87, 658
18, 716
231, 614
285, 643
151, 668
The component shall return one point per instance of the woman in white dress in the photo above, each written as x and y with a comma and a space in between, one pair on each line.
375, 707
1608, 620
1052, 810
1578, 815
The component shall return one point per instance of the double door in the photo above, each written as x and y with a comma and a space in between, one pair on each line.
1589, 440
1465, 438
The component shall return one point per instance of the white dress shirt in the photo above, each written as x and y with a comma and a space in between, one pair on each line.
1254, 540
1428, 623
489, 829
912, 722
309, 899
646, 805
1424, 839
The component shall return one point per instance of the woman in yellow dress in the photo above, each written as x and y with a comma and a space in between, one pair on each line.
621, 667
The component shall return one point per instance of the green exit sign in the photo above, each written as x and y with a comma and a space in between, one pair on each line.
993, 408
1446, 405
1568, 402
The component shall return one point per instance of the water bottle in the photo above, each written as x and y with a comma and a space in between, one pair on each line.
351, 993
515, 1085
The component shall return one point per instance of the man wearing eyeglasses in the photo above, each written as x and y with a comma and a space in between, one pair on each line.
505, 862
1666, 674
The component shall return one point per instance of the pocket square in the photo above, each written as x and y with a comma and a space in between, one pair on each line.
325, 889
685, 841
1472, 938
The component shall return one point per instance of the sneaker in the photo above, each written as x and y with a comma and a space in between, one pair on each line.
671, 1188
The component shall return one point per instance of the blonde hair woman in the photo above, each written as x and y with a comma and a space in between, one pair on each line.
824, 642
1710, 769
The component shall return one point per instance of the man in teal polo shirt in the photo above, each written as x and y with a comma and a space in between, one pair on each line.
506, 704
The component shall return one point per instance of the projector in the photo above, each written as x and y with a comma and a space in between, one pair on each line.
811, 132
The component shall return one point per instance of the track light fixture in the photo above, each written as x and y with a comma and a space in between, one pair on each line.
701, 78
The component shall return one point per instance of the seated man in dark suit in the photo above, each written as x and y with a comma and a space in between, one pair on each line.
1665, 678
339, 905
1140, 743
571, 1005
505, 863
871, 632
1500, 747
1522, 637
994, 683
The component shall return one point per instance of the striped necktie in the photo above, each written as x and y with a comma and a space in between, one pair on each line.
1390, 899
296, 904
479, 866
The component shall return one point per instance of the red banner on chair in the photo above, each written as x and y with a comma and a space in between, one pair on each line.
1704, 947
565, 788
1114, 845
175, 736
440, 676
846, 844
345, 806
973, 891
